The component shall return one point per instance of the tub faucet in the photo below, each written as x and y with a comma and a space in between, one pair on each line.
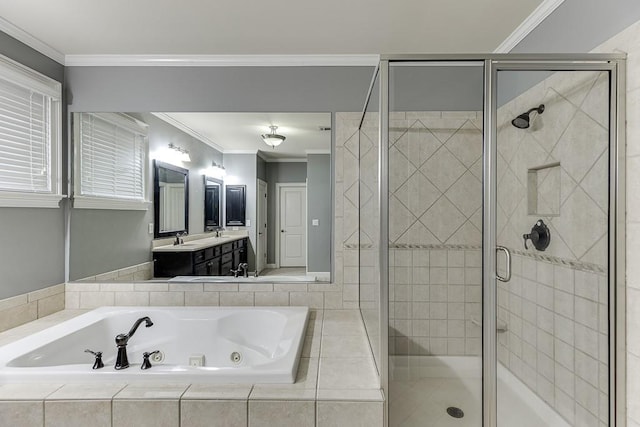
122, 361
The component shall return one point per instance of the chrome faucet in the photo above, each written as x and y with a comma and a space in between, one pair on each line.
243, 268
122, 361
219, 231
179, 238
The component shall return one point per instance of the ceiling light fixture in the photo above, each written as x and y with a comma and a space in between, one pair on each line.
184, 153
273, 139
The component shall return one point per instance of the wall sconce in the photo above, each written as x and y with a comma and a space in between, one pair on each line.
216, 171
184, 153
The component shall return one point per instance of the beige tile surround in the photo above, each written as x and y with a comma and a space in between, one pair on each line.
27, 307
336, 385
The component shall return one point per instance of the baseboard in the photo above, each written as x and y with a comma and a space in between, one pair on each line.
320, 275
270, 266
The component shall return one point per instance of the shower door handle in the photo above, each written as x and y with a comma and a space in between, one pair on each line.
507, 254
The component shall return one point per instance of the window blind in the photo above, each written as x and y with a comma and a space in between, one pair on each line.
112, 156
25, 138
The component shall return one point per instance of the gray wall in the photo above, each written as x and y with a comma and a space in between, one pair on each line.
285, 172
233, 89
262, 168
248, 89
318, 193
580, 26
32, 252
106, 240
242, 170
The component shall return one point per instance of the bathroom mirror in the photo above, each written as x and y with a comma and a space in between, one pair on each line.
235, 205
170, 199
212, 203
110, 244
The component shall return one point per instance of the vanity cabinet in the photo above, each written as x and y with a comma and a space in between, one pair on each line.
215, 260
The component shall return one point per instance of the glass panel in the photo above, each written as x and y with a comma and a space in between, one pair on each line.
553, 168
435, 237
368, 236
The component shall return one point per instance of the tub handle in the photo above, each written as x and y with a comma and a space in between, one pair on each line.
146, 364
97, 364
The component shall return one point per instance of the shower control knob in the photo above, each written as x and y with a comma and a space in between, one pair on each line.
539, 236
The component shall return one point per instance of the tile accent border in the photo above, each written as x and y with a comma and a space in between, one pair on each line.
576, 265
20, 309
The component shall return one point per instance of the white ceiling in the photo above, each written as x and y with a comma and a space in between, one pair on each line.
240, 132
279, 27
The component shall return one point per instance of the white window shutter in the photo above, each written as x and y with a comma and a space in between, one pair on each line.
112, 156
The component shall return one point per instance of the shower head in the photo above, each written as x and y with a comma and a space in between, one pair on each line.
523, 120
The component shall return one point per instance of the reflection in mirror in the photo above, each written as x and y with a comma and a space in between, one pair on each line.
170, 199
114, 243
236, 201
212, 194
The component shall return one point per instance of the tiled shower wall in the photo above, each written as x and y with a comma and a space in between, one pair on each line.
629, 41
435, 223
555, 306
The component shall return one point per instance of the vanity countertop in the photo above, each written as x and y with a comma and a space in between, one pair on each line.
196, 245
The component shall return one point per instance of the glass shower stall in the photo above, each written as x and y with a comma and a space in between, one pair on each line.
490, 242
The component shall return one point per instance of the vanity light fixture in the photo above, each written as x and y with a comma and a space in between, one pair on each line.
216, 171
273, 139
184, 153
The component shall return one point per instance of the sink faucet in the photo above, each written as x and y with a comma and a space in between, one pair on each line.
219, 231
243, 268
122, 361
179, 238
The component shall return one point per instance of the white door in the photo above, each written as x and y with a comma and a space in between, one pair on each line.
293, 227
261, 250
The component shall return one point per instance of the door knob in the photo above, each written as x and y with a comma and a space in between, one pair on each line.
282, 231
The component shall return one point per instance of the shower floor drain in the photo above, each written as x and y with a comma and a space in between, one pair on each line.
455, 412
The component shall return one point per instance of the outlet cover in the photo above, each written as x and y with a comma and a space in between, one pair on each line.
315, 222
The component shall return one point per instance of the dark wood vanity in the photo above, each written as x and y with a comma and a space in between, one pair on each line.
205, 257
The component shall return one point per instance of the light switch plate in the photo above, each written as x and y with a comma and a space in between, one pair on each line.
150, 228
315, 222
248, 223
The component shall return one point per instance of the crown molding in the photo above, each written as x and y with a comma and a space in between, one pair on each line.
286, 160
540, 13
221, 60
31, 41
186, 129
241, 151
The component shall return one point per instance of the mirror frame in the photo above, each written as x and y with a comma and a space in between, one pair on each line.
220, 184
156, 199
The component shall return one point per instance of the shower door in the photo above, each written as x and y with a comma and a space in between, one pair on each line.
554, 151
501, 235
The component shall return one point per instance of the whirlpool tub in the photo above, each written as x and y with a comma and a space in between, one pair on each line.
196, 345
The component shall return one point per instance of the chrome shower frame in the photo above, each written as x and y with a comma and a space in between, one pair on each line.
615, 64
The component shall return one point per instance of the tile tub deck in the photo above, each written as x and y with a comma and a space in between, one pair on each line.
336, 384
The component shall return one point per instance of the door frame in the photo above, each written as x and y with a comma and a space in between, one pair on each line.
279, 186
259, 219
616, 229
613, 63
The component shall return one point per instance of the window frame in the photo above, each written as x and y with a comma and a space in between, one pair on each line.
81, 201
18, 74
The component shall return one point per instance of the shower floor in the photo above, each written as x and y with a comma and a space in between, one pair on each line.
422, 388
